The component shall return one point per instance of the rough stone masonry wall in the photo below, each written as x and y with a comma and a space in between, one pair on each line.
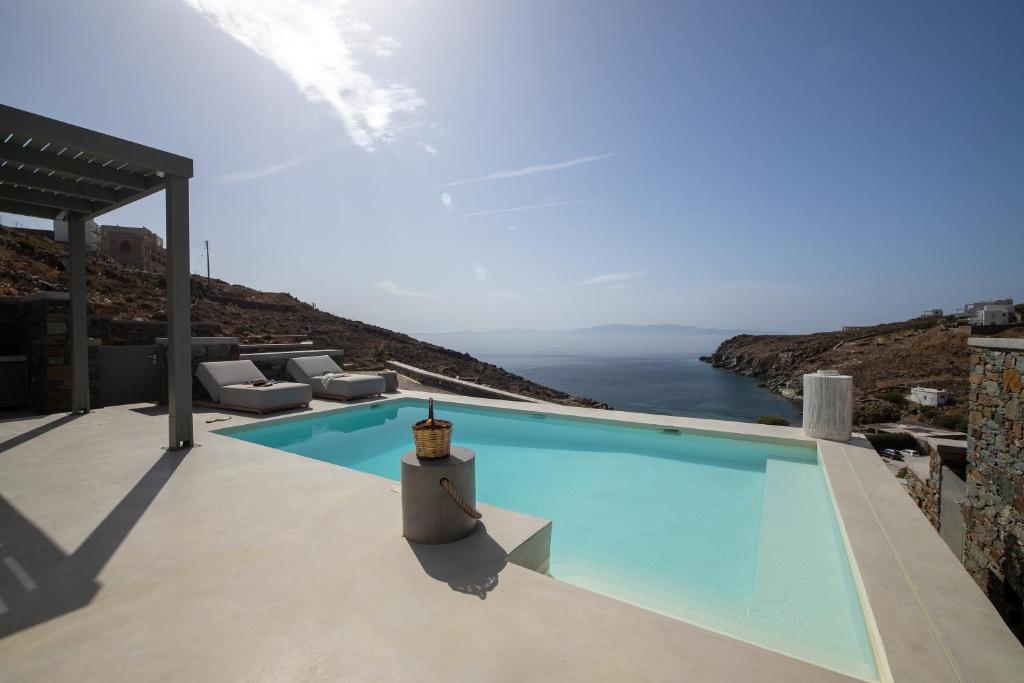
46, 329
926, 493
994, 507
203, 349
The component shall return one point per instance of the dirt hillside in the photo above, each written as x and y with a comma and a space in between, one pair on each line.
32, 263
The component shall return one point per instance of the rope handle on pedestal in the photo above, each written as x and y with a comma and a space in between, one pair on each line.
448, 486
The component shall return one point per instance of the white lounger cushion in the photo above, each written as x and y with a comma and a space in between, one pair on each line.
306, 368
217, 374
263, 399
309, 369
350, 386
227, 383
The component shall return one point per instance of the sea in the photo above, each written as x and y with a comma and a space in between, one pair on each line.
650, 373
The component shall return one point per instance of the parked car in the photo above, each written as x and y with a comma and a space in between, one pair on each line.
909, 453
892, 454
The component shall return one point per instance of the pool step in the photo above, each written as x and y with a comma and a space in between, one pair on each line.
800, 557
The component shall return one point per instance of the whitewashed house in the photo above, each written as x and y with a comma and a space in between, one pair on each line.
929, 397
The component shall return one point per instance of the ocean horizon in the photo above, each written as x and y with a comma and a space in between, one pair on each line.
654, 373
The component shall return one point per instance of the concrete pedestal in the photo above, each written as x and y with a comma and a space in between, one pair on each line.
390, 381
429, 515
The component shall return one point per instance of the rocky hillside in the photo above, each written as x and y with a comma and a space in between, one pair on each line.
31, 263
884, 360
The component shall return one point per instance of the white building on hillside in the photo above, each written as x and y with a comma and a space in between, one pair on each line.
990, 312
92, 233
929, 397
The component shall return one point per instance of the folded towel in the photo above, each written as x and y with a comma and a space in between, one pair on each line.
326, 378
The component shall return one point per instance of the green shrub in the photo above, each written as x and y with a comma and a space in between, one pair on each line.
873, 410
894, 396
895, 440
950, 421
773, 420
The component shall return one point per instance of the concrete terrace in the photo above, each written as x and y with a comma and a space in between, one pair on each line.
231, 561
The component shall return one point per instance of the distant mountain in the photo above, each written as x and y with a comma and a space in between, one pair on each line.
614, 329
665, 328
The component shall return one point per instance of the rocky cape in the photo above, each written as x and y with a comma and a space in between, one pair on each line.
884, 360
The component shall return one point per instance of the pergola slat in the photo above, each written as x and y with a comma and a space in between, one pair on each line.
40, 198
55, 183
92, 142
74, 167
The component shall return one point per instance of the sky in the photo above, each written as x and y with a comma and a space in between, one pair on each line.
455, 165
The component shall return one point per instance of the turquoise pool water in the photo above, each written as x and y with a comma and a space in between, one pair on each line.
738, 536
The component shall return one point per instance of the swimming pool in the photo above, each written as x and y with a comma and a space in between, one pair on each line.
735, 535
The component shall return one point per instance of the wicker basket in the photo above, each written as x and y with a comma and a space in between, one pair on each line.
433, 438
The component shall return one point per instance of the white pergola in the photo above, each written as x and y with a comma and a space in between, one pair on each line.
52, 169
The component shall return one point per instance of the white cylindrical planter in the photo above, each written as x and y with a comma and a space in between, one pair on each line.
828, 405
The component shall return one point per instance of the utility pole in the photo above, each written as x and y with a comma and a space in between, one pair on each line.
207, 243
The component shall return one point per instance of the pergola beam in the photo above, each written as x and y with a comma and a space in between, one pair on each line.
54, 183
179, 325
79, 316
100, 144
40, 198
16, 154
22, 209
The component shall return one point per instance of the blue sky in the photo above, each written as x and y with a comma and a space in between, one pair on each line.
432, 166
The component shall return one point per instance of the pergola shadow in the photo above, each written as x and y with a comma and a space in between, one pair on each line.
25, 437
39, 581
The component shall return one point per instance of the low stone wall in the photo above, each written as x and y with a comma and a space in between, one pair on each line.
273, 364
456, 386
994, 506
203, 349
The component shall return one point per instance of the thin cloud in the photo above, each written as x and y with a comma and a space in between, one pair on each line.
531, 170
253, 174
384, 46
608, 279
528, 207
391, 288
316, 45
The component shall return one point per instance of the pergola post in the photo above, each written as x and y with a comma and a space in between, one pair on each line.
79, 317
179, 302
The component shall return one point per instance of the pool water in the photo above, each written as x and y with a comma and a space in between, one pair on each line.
734, 535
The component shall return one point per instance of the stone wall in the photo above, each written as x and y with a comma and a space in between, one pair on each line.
203, 349
994, 507
38, 326
46, 339
925, 492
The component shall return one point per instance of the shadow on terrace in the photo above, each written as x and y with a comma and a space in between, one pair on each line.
39, 581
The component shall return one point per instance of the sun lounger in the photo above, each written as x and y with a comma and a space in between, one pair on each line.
329, 381
230, 385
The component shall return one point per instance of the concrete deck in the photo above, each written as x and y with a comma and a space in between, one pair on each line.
236, 562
